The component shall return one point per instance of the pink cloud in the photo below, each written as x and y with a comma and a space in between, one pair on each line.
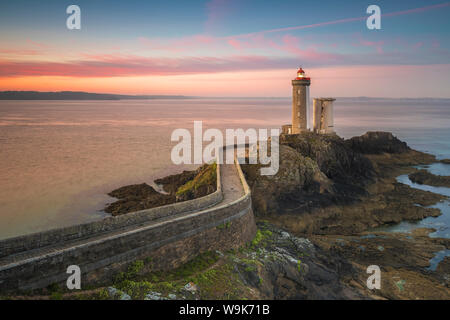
254, 42
286, 44
29, 48
378, 45
418, 45
37, 44
127, 65
235, 43
435, 44
338, 81
197, 41
22, 52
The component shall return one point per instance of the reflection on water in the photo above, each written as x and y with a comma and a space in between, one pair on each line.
58, 159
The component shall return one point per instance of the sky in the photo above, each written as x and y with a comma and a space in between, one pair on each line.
227, 48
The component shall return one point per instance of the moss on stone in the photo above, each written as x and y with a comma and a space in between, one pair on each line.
261, 236
206, 177
56, 296
224, 225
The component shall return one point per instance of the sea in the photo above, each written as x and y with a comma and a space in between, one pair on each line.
59, 159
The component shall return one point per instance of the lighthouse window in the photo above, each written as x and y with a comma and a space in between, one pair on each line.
298, 114
298, 92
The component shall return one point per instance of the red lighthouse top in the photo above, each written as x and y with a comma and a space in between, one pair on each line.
301, 75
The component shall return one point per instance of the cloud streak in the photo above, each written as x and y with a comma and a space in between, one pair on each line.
346, 20
281, 51
123, 66
109, 66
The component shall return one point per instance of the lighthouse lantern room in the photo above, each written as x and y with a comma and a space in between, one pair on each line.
301, 75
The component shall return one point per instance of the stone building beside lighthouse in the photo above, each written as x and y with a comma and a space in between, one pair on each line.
323, 120
323, 115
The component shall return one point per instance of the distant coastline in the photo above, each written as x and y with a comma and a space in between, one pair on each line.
76, 95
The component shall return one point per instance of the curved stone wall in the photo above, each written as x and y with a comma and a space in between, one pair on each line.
169, 240
83, 231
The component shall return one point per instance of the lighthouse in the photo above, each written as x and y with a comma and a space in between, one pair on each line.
300, 102
323, 117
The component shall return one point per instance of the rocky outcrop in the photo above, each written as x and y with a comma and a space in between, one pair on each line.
444, 268
203, 183
297, 179
404, 260
326, 186
396, 203
377, 142
426, 177
173, 182
137, 197
284, 266
333, 156
179, 187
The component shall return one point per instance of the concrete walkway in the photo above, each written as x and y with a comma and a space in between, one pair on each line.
232, 188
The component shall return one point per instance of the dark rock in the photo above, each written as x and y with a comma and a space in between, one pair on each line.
137, 197
142, 190
426, 177
315, 171
203, 183
173, 182
324, 186
444, 267
298, 176
446, 161
142, 196
332, 154
293, 268
403, 259
376, 142
248, 273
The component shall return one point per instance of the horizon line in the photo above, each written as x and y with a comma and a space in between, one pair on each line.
181, 96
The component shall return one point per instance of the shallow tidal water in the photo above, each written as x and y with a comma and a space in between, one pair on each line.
441, 223
58, 159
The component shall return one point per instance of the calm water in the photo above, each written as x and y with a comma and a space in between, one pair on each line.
441, 223
58, 159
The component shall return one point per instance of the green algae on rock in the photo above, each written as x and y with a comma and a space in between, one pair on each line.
204, 182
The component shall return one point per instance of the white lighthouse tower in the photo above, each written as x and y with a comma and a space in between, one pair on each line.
300, 102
